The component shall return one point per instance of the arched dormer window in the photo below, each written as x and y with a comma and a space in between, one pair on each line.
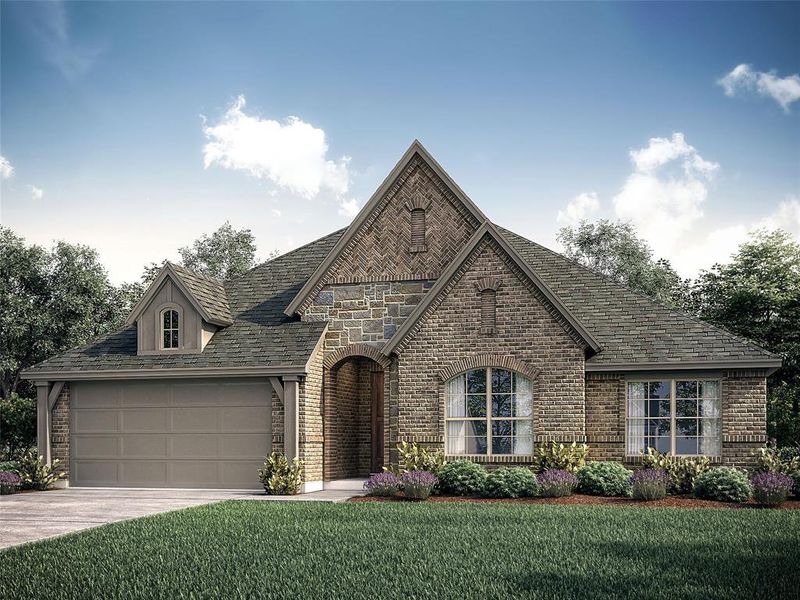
418, 206
487, 288
170, 329
489, 411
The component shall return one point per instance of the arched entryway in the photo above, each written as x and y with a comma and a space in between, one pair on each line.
353, 418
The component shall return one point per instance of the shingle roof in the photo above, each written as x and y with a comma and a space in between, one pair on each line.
260, 336
209, 292
631, 328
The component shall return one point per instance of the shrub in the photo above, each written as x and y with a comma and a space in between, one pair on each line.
412, 457
462, 478
511, 482
555, 483
776, 460
603, 478
796, 478
558, 456
770, 489
36, 474
9, 482
12, 466
726, 484
683, 470
650, 484
280, 477
382, 484
17, 425
418, 485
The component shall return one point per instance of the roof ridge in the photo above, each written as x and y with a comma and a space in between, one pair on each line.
676, 310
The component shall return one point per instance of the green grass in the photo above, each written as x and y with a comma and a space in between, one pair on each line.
245, 549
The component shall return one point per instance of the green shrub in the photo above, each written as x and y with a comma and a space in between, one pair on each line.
10, 466
36, 474
725, 484
462, 478
412, 457
558, 456
603, 478
683, 470
511, 482
280, 477
776, 460
17, 425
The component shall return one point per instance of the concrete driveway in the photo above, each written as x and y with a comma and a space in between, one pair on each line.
31, 516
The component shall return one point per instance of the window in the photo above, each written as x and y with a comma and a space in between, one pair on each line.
677, 416
417, 229
489, 411
170, 329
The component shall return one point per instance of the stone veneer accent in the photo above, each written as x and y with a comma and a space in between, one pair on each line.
744, 421
527, 332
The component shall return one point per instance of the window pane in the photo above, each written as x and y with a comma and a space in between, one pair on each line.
175, 343
658, 427
501, 405
166, 339
637, 390
523, 396
686, 389
686, 426
501, 381
686, 407
476, 445
174, 319
476, 428
662, 444
709, 407
709, 389
501, 445
658, 389
166, 319
476, 405
522, 440
709, 446
476, 381
455, 396
635, 436
658, 408
636, 407
501, 427
455, 437
685, 445
708, 427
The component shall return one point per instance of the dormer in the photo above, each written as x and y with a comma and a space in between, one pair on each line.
180, 312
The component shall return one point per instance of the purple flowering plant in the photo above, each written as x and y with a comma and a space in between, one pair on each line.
382, 484
418, 485
9, 482
650, 484
770, 489
555, 483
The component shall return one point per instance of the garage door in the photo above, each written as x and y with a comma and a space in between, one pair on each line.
200, 433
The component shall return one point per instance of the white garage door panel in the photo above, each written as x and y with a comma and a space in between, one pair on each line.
190, 433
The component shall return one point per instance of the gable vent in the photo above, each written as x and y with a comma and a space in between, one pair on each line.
418, 227
487, 287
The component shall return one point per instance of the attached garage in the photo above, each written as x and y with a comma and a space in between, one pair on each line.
192, 433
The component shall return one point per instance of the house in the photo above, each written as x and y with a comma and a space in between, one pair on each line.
421, 321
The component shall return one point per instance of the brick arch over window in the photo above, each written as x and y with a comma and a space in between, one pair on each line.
488, 360
340, 354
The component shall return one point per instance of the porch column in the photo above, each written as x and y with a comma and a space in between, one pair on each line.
43, 420
291, 417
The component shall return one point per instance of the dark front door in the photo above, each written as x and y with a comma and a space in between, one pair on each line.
376, 432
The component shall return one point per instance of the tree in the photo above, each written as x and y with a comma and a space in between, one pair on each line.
757, 295
227, 253
614, 249
52, 300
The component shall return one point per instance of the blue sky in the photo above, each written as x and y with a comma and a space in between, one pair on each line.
124, 131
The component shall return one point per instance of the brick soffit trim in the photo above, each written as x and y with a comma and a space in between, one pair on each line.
456, 270
363, 216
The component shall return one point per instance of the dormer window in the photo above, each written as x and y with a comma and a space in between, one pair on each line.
170, 330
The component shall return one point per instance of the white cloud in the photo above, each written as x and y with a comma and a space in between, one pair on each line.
291, 155
784, 90
276, 212
36, 193
787, 216
583, 206
6, 170
348, 208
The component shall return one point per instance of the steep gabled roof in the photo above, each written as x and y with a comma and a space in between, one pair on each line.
416, 148
635, 331
206, 294
488, 229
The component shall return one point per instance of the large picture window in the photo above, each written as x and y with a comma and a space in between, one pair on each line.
489, 411
676, 416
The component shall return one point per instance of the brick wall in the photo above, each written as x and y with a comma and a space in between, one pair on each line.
59, 436
310, 415
605, 416
527, 331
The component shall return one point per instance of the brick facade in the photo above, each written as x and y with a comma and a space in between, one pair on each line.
59, 433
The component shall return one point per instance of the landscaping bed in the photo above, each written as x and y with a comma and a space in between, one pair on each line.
442, 550
584, 500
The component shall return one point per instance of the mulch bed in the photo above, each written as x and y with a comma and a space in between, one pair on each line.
581, 500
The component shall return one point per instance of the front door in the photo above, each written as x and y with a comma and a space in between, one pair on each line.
376, 431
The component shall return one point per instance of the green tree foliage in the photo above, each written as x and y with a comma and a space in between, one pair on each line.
614, 249
17, 425
757, 295
52, 300
226, 253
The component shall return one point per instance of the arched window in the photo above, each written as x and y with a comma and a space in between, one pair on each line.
170, 329
489, 411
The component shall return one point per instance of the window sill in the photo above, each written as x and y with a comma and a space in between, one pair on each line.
418, 249
489, 458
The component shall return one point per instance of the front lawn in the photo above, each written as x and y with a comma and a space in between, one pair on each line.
248, 549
